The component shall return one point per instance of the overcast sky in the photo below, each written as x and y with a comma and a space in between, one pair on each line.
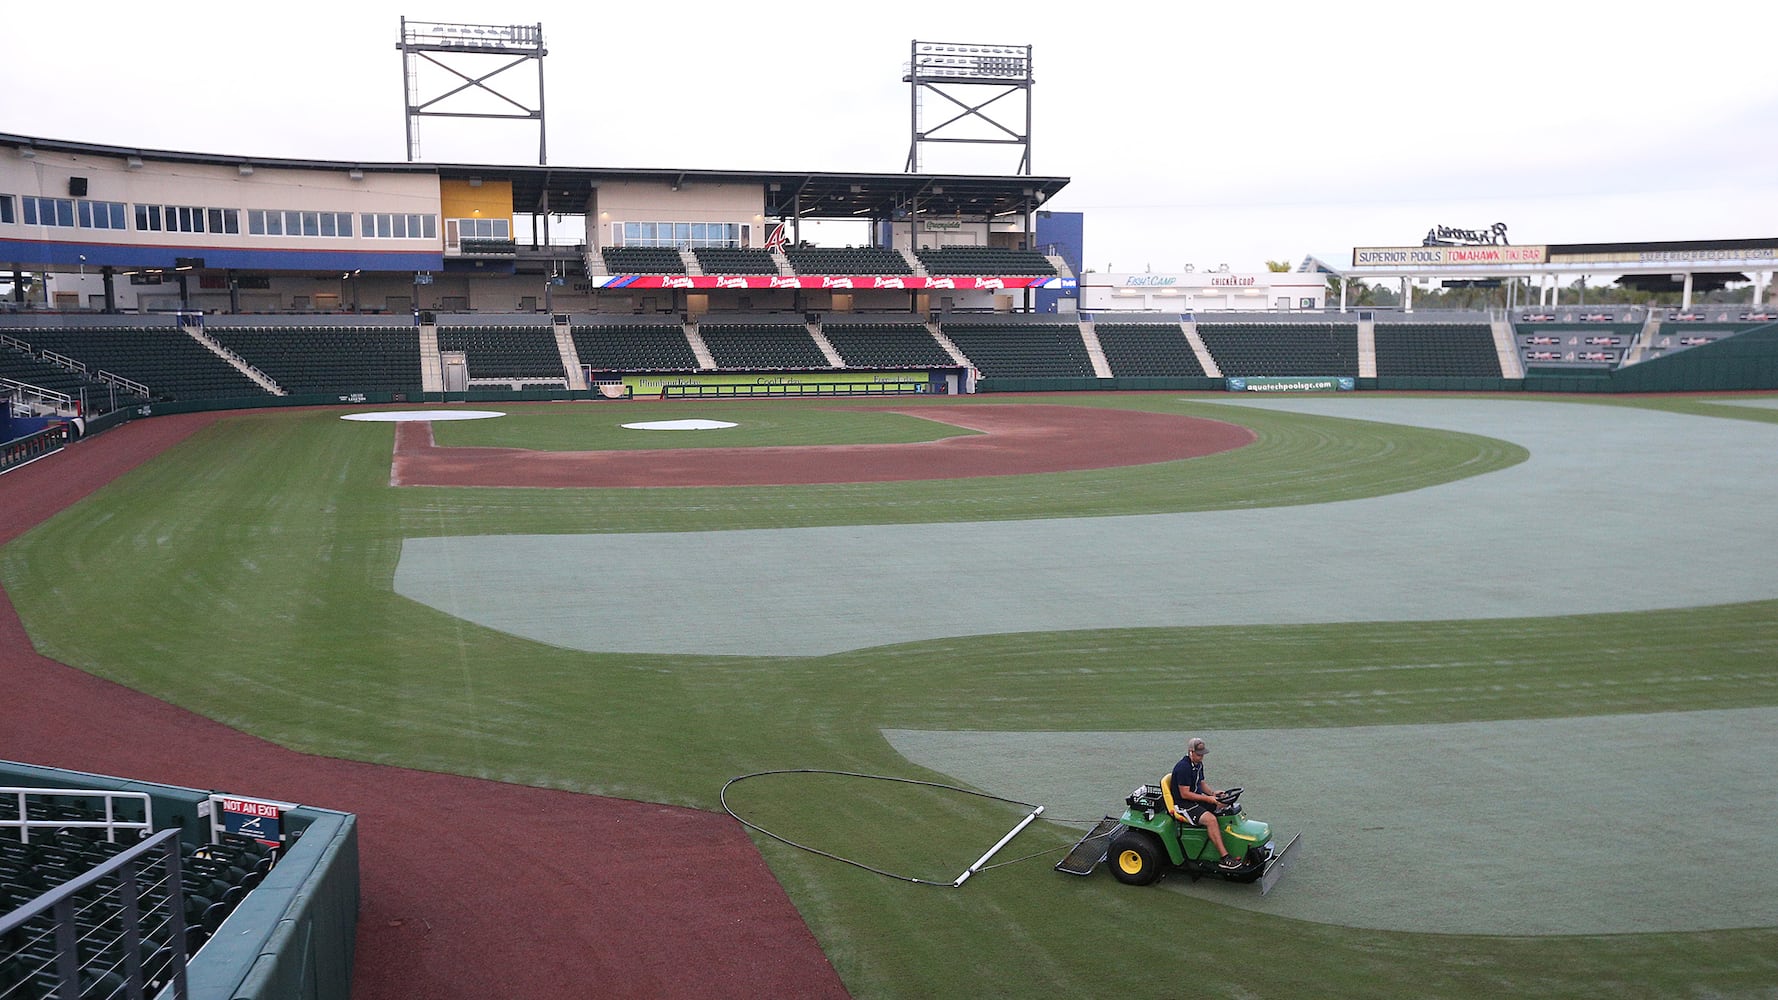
1193, 133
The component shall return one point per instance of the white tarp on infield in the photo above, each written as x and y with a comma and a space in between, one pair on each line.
1618, 509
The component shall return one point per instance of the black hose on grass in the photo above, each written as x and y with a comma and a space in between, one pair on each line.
875, 777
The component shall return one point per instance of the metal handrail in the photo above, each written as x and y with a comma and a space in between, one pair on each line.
60, 902
110, 824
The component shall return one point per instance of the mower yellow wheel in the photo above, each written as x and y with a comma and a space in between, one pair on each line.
1135, 857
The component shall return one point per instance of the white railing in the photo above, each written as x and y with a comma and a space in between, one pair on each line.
38, 394
123, 383
63, 361
110, 824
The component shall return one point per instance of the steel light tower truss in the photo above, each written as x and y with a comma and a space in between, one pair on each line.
461, 50
941, 67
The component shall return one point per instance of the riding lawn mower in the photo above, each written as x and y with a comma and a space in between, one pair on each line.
1155, 837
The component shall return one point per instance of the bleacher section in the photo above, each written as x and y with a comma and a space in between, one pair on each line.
1282, 349
983, 260
1436, 349
1685, 331
719, 260
1152, 348
633, 347
164, 358
886, 344
328, 359
847, 260
1557, 345
1021, 349
643, 260
505, 351
763, 343
21, 364
213, 879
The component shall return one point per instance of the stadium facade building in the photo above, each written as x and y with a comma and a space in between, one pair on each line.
113, 228
1448, 255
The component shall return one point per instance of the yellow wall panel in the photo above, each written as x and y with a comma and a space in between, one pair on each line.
492, 200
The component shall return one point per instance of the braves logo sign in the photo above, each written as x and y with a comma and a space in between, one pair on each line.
776, 239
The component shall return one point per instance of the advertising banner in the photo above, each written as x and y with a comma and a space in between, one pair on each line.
782, 383
1312, 383
843, 282
1396, 257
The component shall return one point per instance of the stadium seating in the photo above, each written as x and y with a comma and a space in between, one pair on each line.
761, 344
720, 260
1436, 349
847, 260
1148, 349
503, 351
888, 344
983, 260
329, 359
1679, 335
213, 881
643, 260
1022, 349
633, 347
1267, 349
164, 358
21, 365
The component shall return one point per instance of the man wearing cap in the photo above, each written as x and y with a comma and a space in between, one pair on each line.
1197, 798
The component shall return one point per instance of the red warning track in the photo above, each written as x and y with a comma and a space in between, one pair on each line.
1013, 439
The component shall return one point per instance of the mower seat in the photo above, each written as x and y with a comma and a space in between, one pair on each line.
1170, 796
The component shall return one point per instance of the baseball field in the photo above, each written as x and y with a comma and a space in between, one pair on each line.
1509, 663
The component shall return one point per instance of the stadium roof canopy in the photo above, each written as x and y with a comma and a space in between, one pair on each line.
565, 190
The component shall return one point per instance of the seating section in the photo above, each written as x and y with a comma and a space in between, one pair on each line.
1571, 345
904, 344
329, 359
1682, 334
761, 345
1282, 349
719, 260
22, 365
164, 358
214, 879
1437, 349
643, 260
1148, 349
480, 246
505, 351
1022, 350
847, 260
634, 347
983, 260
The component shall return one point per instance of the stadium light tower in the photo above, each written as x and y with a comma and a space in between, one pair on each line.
940, 67
460, 49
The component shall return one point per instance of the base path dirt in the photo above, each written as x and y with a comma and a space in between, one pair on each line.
470, 888
1013, 439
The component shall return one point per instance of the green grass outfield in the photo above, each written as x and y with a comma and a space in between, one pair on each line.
246, 575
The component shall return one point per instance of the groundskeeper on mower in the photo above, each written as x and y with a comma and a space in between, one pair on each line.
1154, 837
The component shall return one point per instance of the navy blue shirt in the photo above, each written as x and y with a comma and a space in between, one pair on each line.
1187, 776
